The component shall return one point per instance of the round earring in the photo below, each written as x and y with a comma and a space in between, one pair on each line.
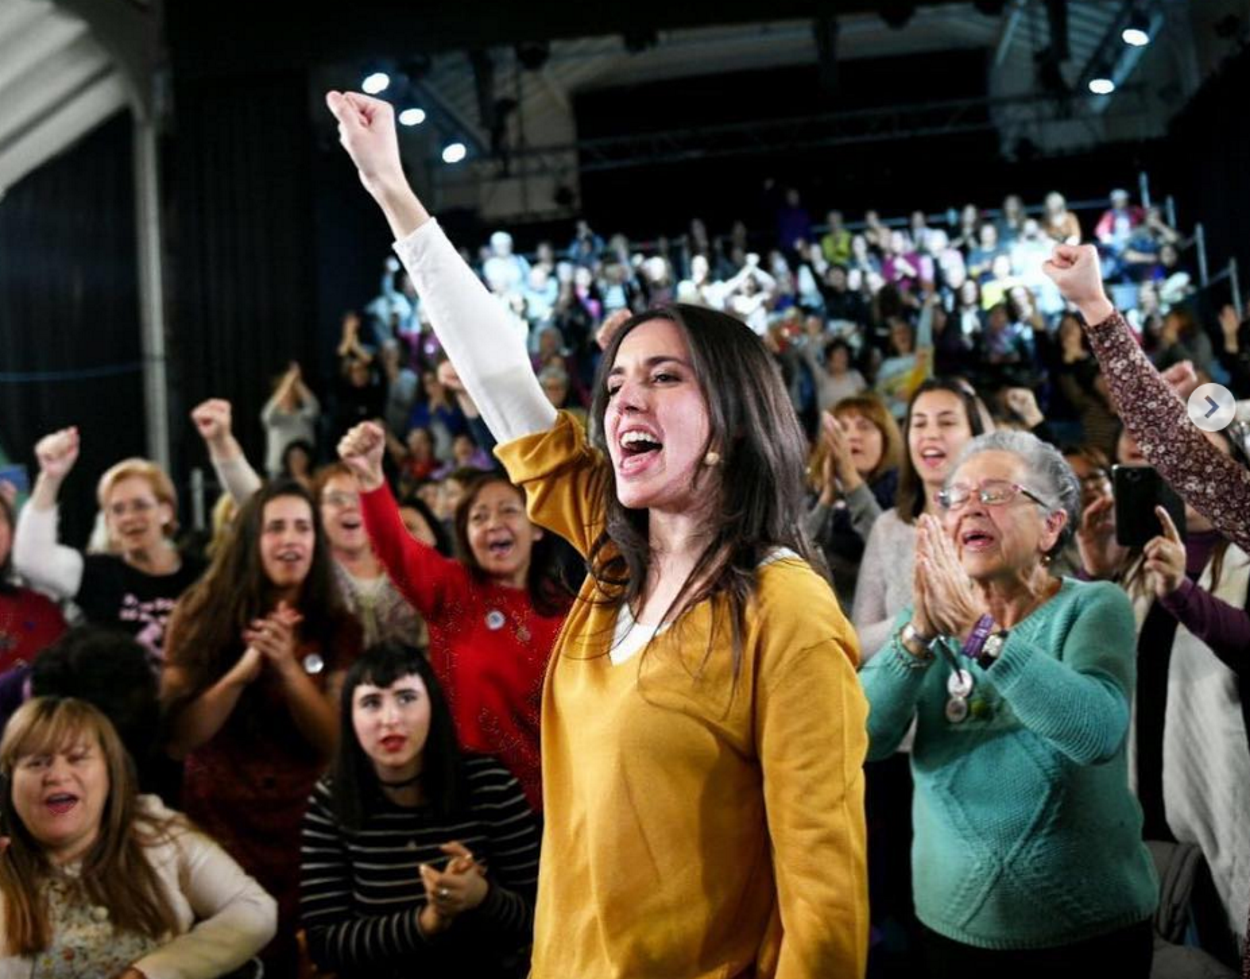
712, 458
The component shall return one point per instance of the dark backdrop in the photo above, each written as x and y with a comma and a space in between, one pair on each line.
69, 313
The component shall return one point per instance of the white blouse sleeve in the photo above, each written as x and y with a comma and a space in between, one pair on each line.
45, 564
488, 353
236, 917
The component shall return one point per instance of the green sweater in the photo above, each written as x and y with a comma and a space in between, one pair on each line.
1026, 833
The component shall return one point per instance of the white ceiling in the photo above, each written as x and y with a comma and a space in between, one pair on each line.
57, 83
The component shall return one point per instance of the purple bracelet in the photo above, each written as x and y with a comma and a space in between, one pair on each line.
980, 632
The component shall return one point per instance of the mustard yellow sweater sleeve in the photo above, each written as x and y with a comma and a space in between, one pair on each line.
811, 733
564, 480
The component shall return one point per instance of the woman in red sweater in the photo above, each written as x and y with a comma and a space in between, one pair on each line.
493, 615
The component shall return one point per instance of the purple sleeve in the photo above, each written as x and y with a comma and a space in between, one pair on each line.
1216, 485
1221, 626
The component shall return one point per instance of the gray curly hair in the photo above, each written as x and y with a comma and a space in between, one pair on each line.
1051, 476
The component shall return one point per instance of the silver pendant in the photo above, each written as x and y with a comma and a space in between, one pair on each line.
957, 710
960, 684
495, 620
313, 664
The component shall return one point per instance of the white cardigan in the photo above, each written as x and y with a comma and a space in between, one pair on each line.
224, 916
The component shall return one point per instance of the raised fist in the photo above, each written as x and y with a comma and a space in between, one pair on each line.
57, 453
212, 419
367, 132
361, 448
1077, 273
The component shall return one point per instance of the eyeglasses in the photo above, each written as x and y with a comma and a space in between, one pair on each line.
993, 492
341, 499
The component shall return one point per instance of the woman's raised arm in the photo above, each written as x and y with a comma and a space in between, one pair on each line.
473, 327
1216, 485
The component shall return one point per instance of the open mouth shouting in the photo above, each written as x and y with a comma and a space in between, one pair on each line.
932, 458
60, 803
639, 448
500, 545
975, 539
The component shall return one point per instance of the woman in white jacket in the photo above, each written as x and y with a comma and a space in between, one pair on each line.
99, 881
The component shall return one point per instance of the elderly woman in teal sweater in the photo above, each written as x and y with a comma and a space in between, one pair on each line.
1027, 858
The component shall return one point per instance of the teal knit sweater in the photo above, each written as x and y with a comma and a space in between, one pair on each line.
1026, 833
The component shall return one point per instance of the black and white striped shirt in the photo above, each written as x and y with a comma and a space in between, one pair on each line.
362, 892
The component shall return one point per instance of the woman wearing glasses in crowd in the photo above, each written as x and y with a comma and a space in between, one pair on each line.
133, 588
1027, 858
703, 729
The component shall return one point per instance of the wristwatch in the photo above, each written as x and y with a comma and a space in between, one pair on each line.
912, 639
992, 649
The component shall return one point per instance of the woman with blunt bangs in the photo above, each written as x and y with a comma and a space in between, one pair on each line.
401, 795
703, 728
100, 881
493, 614
257, 651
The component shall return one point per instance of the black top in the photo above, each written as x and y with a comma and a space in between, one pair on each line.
115, 594
361, 891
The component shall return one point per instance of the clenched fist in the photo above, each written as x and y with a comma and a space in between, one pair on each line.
57, 453
212, 420
362, 448
1075, 270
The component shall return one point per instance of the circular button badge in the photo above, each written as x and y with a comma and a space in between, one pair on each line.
1212, 407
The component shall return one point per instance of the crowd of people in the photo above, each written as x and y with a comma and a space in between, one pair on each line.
688, 612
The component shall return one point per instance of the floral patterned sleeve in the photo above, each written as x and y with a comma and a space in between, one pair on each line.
1214, 484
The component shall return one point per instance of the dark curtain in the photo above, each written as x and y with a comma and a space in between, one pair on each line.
242, 288
69, 313
1210, 149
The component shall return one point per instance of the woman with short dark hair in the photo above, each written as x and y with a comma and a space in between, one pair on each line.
417, 859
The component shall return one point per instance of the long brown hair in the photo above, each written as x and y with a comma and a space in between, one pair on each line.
205, 630
116, 873
910, 501
752, 426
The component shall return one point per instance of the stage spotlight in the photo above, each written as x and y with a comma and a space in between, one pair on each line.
1101, 86
1137, 33
412, 117
454, 152
376, 83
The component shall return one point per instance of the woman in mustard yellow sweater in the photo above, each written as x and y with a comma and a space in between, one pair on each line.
703, 729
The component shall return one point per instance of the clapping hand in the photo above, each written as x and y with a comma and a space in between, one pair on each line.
274, 637
449, 893
952, 605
